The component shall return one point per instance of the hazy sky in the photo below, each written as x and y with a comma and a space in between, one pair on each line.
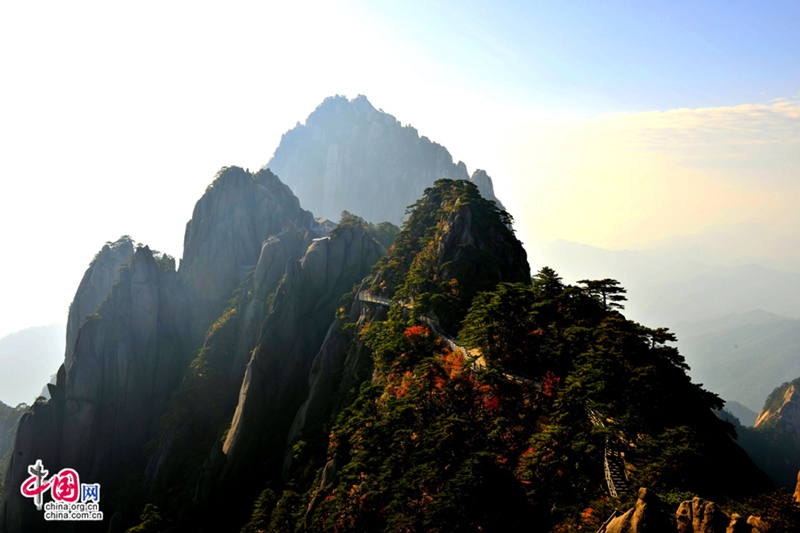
614, 124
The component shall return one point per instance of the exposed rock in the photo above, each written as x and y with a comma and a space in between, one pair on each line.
127, 363
646, 516
228, 353
738, 524
782, 408
649, 515
38, 436
322, 381
238, 212
276, 380
701, 516
758, 525
128, 359
484, 183
797, 489
276, 253
350, 156
103, 271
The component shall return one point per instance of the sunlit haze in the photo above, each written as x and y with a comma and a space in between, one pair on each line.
614, 124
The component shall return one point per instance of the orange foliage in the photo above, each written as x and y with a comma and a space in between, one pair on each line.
550, 384
415, 333
453, 362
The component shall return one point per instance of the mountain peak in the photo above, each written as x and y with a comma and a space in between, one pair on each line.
337, 105
348, 156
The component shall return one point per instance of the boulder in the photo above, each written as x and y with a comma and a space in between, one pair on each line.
646, 516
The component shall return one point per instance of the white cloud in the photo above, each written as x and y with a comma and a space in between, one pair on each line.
622, 180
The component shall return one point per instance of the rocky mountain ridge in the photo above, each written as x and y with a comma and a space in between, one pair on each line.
130, 356
254, 388
349, 156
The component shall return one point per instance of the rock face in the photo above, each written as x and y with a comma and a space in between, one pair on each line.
350, 156
229, 224
701, 516
797, 489
127, 363
276, 380
647, 515
129, 357
224, 356
782, 408
127, 360
484, 183
97, 281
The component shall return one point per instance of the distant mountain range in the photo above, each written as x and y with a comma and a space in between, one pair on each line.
27, 360
742, 357
736, 324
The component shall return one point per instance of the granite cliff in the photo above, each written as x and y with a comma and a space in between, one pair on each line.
276, 380
129, 356
103, 271
650, 515
774, 441
349, 156
228, 226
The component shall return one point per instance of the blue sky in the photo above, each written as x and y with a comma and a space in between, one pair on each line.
607, 56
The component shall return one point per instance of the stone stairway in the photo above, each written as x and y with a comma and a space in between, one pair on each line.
614, 466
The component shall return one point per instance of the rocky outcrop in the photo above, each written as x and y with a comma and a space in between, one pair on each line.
127, 362
190, 423
484, 183
649, 515
276, 380
462, 238
782, 408
128, 359
238, 212
103, 271
38, 437
349, 156
335, 368
797, 489
701, 516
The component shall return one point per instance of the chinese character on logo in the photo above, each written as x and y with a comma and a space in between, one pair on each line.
34, 486
65, 486
90, 492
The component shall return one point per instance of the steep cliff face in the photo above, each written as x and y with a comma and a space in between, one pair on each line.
128, 358
782, 409
276, 380
202, 408
229, 224
97, 281
127, 362
350, 156
774, 441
